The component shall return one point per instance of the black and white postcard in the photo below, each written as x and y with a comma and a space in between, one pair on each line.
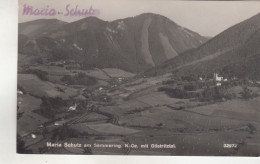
171, 78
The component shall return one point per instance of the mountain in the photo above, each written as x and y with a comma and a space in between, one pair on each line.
29, 31
237, 46
133, 44
39, 27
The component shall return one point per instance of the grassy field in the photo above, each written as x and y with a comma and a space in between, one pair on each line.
38, 88
114, 72
137, 112
29, 120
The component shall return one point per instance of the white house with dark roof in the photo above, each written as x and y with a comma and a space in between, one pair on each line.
217, 78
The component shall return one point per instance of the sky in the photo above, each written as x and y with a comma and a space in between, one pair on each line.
208, 18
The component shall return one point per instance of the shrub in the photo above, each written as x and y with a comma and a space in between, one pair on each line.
21, 89
64, 132
214, 94
169, 82
190, 87
21, 148
60, 65
247, 93
251, 128
79, 79
43, 75
87, 150
39, 61
175, 93
83, 105
52, 106
59, 89
61, 54
188, 78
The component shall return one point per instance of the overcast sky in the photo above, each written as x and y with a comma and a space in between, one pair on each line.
208, 18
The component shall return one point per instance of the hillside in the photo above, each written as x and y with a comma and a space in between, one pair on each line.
133, 44
236, 46
38, 28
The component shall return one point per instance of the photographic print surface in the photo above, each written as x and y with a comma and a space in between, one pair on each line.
175, 78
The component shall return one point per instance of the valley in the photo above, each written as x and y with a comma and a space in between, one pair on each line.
141, 85
121, 108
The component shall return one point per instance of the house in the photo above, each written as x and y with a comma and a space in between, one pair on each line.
72, 108
57, 124
218, 84
200, 78
20, 92
101, 90
113, 86
217, 78
34, 136
120, 79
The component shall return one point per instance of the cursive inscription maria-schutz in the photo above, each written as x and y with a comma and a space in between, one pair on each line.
69, 10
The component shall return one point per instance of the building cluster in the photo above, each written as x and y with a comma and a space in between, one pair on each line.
218, 79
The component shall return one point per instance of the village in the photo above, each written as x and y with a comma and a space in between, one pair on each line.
119, 105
